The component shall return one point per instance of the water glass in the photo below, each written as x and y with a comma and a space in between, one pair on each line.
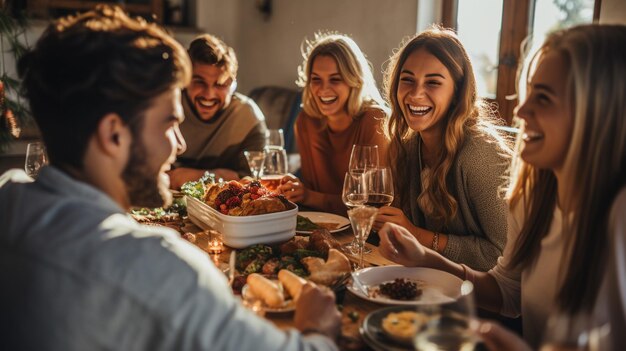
35, 158
275, 167
275, 137
255, 162
447, 325
362, 218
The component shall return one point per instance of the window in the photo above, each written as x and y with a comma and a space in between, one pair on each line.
494, 38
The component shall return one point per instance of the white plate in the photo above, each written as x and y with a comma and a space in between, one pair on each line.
323, 217
288, 306
439, 286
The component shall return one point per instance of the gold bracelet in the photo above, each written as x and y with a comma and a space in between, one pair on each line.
435, 245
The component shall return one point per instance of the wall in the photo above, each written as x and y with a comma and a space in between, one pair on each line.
269, 50
613, 11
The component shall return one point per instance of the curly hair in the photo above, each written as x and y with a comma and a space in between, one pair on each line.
353, 67
467, 114
86, 66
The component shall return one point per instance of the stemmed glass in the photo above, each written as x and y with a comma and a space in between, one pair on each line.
447, 325
354, 194
380, 187
572, 333
362, 218
363, 158
354, 191
255, 162
35, 158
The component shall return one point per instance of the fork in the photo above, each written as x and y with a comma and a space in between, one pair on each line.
231, 267
341, 281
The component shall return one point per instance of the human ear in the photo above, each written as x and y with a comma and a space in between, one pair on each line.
112, 135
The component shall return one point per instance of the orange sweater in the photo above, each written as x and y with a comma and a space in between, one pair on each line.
325, 155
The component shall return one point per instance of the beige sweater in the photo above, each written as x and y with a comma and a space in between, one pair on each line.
477, 234
220, 142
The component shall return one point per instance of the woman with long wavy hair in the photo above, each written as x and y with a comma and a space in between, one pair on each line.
566, 249
341, 106
448, 159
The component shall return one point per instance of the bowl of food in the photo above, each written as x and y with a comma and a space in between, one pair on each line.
245, 214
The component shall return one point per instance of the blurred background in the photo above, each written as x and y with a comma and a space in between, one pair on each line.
267, 37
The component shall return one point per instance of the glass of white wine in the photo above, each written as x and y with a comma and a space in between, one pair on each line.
362, 218
354, 194
448, 324
36, 158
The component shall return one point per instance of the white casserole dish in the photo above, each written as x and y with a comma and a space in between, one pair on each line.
242, 231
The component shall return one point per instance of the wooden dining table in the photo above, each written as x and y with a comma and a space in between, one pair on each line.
353, 309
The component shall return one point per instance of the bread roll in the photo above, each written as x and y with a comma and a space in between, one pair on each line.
337, 262
266, 290
326, 273
292, 282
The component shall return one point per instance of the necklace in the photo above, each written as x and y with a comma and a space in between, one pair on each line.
419, 153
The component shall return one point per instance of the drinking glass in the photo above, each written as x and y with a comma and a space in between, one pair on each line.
275, 167
35, 158
447, 325
564, 332
362, 218
354, 194
363, 158
380, 187
255, 162
275, 137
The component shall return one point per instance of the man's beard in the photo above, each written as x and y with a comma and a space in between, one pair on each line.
145, 187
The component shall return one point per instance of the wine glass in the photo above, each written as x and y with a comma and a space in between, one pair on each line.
363, 158
446, 326
362, 218
35, 158
275, 137
579, 332
354, 194
380, 187
255, 162
275, 166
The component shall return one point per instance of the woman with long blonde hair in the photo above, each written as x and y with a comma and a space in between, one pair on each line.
448, 159
341, 107
566, 249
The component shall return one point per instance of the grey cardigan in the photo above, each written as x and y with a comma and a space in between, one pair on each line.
477, 233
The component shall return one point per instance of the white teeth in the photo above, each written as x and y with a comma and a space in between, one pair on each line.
531, 136
419, 110
328, 99
207, 103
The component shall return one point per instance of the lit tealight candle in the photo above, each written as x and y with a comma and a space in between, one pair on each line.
216, 245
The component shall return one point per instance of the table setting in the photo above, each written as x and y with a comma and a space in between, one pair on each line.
268, 248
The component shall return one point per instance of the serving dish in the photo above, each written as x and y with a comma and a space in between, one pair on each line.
243, 231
